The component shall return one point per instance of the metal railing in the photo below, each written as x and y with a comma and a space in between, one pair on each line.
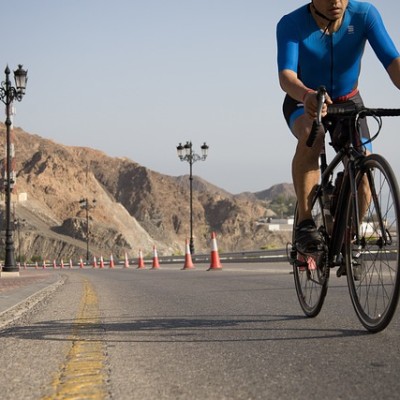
240, 256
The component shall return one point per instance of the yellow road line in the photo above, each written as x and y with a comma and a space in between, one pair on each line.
84, 374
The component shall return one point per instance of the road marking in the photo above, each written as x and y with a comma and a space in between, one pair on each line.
83, 374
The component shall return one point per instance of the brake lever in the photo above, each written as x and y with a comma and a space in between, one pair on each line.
321, 97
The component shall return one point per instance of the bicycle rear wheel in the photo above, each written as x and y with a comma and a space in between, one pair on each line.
372, 261
310, 272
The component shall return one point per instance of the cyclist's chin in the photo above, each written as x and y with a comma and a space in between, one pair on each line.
335, 14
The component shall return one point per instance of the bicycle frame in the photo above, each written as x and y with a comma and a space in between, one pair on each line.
350, 156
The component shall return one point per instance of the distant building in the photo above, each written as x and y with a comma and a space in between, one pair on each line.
277, 224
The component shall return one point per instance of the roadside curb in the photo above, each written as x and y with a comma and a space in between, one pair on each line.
15, 312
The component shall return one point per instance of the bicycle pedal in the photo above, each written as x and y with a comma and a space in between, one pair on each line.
341, 271
291, 252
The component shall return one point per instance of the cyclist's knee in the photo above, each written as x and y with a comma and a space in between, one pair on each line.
305, 150
302, 128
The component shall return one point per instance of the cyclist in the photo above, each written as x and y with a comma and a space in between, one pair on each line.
322, 43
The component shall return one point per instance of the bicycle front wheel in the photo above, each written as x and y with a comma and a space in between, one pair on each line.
310, 272
372, 256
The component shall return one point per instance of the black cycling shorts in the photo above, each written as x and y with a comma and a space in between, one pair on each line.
292, 109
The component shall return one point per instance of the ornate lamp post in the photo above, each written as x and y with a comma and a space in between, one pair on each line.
8, 94
17, 224
85, 204
186, 153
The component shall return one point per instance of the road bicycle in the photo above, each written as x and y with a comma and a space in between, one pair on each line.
356, 209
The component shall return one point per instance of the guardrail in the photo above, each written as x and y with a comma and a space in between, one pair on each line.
242, 256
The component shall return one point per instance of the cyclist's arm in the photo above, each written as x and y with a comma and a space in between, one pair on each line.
292, 85
295, 88
394, 71
383, 45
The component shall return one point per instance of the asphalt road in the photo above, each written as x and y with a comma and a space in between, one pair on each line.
238, 333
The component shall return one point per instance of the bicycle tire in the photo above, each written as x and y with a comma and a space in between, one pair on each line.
372, 264
311, 283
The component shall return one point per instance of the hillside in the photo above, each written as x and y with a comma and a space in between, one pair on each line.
136, 208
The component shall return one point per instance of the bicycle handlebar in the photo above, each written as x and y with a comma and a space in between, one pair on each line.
346, 112
337, 109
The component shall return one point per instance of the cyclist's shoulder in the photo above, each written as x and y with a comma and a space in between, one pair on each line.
295, 17
363, 9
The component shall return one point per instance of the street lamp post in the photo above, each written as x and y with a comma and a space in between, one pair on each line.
85, 204
186, 153
8, 94
17, 224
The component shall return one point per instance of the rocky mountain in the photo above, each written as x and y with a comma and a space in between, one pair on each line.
283, 189
135, 208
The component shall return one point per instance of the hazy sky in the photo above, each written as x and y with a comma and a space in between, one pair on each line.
133, 78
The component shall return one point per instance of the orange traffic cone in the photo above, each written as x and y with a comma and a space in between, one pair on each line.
101, 262
140, 260
94, 262
126, 263
111, 261
188, 257
215, 261
156, 264
81, 263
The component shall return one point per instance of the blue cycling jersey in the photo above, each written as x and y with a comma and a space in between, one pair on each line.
332, 60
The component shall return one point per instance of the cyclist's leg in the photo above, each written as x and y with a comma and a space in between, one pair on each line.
364, 192
305, 174
364, 197
305, 168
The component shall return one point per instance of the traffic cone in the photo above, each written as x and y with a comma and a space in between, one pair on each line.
80, 263
215, 261
111, 261
188, 257
126, 263
140, 260
94, 262
101, 262
156, 264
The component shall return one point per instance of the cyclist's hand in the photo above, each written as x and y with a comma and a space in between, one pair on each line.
328, 101
311, 105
